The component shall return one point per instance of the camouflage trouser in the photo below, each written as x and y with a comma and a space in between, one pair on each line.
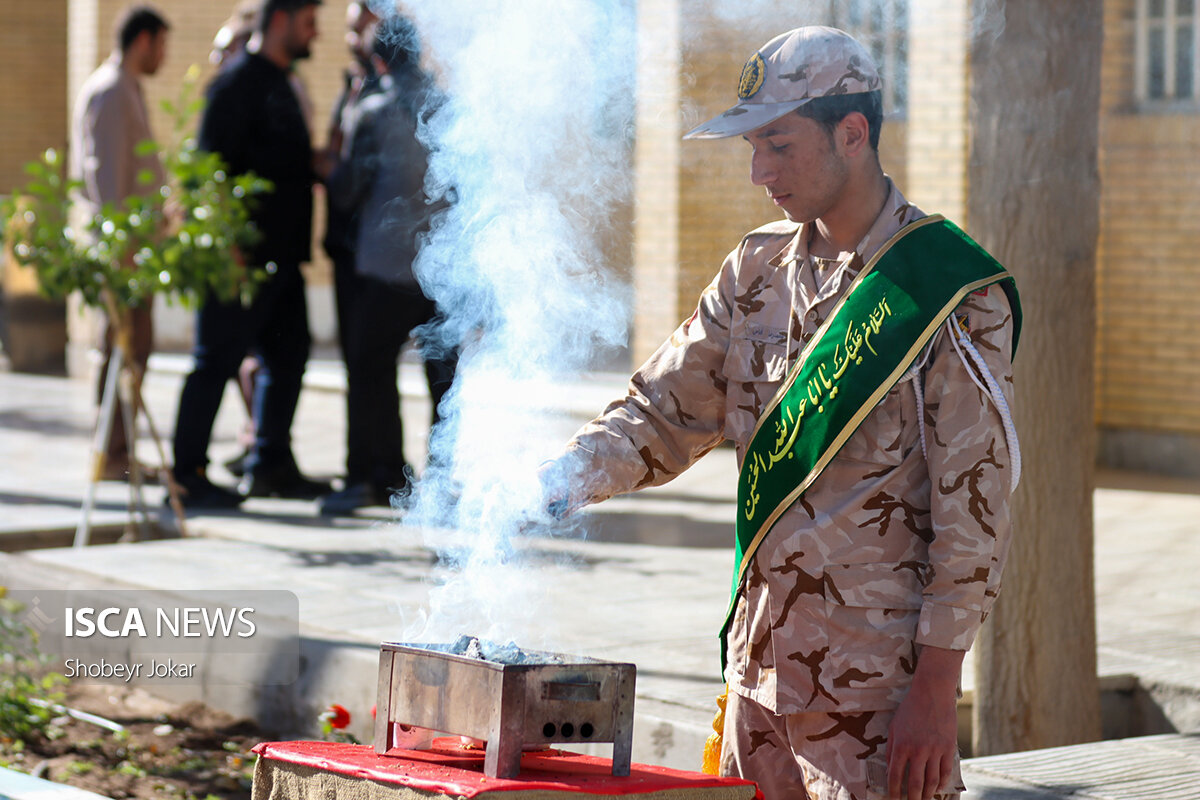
816, 756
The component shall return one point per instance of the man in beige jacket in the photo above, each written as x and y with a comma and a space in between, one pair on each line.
850, 622
108, 123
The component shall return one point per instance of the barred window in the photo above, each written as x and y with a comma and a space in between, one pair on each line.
1166, 50
882, 27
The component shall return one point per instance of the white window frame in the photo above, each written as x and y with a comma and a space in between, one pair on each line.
1168, 23
893, 36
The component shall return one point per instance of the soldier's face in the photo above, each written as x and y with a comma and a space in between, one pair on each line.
799, 165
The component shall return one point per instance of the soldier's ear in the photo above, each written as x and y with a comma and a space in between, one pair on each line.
854, 133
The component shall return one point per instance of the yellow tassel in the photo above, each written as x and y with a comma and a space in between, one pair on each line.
710, 764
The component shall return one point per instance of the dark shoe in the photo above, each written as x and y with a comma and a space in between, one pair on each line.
285, 482
237, 464
354, 496
199, 492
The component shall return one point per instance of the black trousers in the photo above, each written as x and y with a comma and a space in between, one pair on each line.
384, 316
345, 283
275, 325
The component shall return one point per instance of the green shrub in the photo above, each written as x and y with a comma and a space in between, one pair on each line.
24, 678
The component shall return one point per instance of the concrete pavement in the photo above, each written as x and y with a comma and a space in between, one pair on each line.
645, 585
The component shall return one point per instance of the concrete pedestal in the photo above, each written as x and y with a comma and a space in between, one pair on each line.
329, 771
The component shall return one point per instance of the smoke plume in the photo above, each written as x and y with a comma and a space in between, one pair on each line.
532, 141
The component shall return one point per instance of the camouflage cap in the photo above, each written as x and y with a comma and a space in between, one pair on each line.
787, 72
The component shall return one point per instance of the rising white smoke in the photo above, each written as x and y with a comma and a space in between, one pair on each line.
533, 141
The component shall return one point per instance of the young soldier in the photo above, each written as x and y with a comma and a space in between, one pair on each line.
858, 356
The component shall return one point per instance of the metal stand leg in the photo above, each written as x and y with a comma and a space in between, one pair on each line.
100, 445
137, 503
124, 378
384, 739
503, 757
622, 759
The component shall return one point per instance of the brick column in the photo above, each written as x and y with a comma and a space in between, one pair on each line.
937, 111
656, 158
88, 43
32, 103
694, 198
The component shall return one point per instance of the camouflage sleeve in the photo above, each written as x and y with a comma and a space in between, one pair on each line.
674, 411
970, 473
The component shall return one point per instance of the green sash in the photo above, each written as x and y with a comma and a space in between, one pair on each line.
875, 333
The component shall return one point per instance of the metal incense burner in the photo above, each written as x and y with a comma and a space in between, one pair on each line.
508, 697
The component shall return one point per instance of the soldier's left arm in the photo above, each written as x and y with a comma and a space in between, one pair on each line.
970, 470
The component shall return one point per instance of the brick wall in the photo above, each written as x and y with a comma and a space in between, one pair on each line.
656, 157
936, 155
1148, 321
33, 45
717, 203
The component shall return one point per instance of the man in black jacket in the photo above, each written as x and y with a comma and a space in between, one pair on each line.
254, 121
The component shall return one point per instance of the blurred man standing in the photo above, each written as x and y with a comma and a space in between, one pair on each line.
379, 184
358, 83
108, 124
255, 122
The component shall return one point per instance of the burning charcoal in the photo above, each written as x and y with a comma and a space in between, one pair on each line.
486, 650
467, 646
506, 654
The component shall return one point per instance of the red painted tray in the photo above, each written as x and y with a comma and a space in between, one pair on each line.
453, 769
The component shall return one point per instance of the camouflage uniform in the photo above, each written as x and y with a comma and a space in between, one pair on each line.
897, 545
